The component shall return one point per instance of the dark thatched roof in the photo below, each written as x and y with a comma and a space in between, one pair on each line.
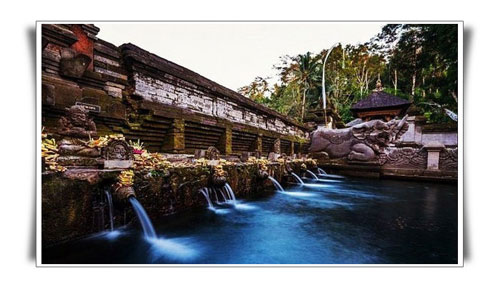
379, 100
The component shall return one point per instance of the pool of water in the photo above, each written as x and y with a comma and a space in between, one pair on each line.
341, 221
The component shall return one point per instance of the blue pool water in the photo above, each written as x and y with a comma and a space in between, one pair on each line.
336, 221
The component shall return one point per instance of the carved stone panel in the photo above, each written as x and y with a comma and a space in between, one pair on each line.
212, 153
118, 150
448, 159
407, 157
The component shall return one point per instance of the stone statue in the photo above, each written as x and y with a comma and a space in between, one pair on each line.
218, 177
276, 153
277, 146
362, 142
212, 153
77, 123
76, 126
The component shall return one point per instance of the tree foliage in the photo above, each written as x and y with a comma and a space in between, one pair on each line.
416, 62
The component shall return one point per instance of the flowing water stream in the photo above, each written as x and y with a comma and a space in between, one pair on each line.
277, 184
147, 226
312, 174
110, 208
357, 221
297, 178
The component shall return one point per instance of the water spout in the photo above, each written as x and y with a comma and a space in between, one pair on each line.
214, 191
110, 208
321, 171
204, 191
224, 193
331, 176
312, 174
231, 193
297, 178
147, 226
276, 184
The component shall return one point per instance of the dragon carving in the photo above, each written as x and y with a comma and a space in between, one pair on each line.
362, 142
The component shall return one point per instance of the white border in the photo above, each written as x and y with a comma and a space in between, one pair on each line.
460, 112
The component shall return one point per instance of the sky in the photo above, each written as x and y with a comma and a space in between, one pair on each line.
234, 53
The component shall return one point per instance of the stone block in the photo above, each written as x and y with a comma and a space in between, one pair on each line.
48, 94
78, 161
113, 84
67, 95
199, 153
433, 160
113, 91
244, 156
433, 150
273, 156
118, 164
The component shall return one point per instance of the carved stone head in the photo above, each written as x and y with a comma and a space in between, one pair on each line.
78, 116
73, 64
377, 133
118, 150
212, 153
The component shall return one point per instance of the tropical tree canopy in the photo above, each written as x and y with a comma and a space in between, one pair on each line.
415, 62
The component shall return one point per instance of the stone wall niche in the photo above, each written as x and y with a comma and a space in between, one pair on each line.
433, 150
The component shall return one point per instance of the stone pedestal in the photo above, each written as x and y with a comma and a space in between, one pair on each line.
433, 151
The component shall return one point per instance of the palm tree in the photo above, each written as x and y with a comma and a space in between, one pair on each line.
306, 73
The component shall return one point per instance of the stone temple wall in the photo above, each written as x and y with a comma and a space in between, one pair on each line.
182, 94
170, 108
420, 134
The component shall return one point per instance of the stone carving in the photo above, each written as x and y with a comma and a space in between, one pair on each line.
77, 123
218, 177
73, 64
288, 168
320, 155
263, 172
277, 146
76, 126
122, 193
244, 156
117, 150
273, 156
303, 167
406, 157
199, 153
212, 153
448, 159
362, 142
